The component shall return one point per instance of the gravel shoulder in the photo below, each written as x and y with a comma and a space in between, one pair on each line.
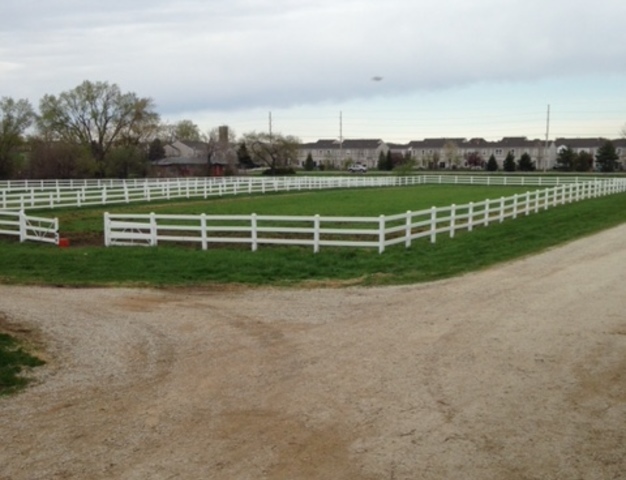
513, 373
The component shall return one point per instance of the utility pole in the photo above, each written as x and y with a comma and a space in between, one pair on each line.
270, 126
545, 159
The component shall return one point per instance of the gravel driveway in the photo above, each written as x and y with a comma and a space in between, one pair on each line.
516, 372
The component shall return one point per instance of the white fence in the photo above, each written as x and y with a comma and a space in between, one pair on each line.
43, 194
321, 231
17, 223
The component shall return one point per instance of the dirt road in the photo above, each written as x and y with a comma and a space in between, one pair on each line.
517, 372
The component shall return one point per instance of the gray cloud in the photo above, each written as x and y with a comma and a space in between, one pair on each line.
236, 54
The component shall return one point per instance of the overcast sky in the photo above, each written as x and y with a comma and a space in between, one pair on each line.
398, 70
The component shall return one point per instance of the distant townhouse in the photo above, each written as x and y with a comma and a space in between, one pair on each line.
452, 152
336, 154
542, 157
591, 146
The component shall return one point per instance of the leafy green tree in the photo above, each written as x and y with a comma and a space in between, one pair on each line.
127, 161
509, 163
309, 164
186, 130
607, 157
15, 118
565, 159
526, 163
97, 115
492, 164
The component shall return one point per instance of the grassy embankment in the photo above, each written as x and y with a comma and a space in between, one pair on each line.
14, 359
175, 265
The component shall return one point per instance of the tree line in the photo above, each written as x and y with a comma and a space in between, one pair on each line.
96, 130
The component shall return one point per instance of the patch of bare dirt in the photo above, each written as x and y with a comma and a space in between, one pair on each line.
514, 373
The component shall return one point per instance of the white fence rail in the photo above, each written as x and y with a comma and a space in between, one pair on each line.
321, 231
38, 229
44, 194
99, 184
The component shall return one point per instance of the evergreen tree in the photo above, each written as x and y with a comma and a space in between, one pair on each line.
565, 159
388, 161
492, 164
156, 151
509, 163
525, 163
243, 156
382, 161
607, 157
309, 164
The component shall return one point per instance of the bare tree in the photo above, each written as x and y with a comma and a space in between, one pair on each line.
97, 115
274, 150
221, 149
451, 154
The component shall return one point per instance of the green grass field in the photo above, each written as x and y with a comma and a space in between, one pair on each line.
349, 202
93, 264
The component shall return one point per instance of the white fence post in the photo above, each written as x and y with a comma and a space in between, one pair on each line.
470, 217
537, 200
452, 219
381, 234
253, 233
527, 204
502, 209
316, 234
22, 219
153, 230
107, 229
433, 224
203, 231
407, 232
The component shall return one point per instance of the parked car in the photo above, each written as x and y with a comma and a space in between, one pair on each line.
357, 168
